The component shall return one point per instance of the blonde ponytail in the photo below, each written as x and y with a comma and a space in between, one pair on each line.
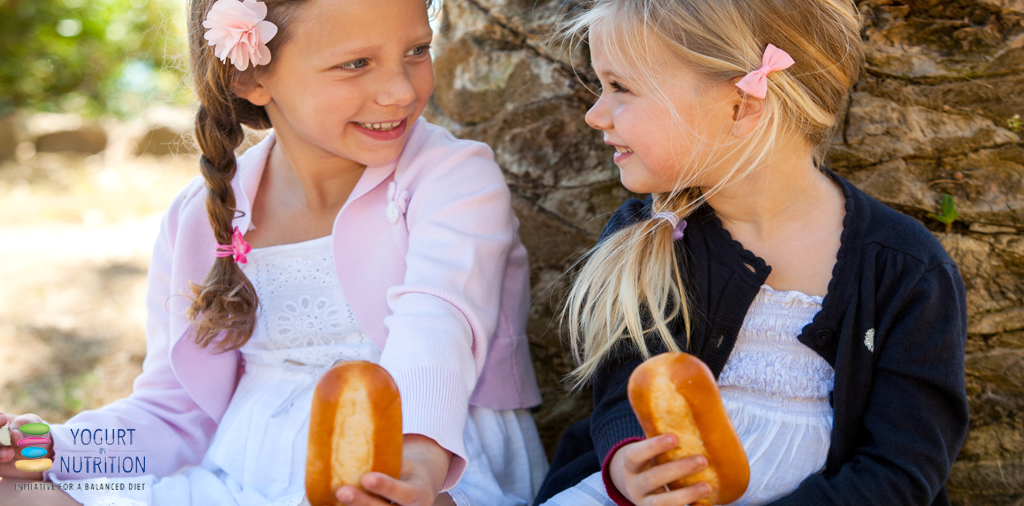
629, 287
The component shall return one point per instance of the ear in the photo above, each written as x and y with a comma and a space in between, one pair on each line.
746, 112
254, 93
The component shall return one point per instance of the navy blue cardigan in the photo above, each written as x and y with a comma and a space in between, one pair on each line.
893, 325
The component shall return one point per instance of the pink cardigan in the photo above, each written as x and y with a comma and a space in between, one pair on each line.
428, 256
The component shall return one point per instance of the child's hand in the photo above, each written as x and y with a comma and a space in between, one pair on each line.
642, 482
424, 467
8, 453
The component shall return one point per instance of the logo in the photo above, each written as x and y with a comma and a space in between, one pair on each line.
37, 462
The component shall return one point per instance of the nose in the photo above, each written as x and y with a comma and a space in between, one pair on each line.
396, 88
598, 116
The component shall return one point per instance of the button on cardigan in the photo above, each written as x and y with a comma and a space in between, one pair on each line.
893, 326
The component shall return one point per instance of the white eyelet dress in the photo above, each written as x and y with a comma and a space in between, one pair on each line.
775, 390
258, 454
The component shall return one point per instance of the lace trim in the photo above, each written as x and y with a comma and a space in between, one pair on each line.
768, 359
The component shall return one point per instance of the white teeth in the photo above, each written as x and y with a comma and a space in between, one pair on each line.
621, 149
381, 127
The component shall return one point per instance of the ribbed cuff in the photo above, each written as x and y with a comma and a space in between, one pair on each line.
609, 487
435, 404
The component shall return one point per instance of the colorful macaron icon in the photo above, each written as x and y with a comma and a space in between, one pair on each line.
36, 463
34, 429
33, 452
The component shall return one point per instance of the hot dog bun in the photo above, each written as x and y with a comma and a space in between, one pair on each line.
676, 393
355, 427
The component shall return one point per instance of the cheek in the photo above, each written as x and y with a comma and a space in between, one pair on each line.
423, 81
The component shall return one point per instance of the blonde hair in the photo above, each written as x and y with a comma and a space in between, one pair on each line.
630, 286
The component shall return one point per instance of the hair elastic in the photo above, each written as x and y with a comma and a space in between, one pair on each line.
677, 226
756, 82
238, 248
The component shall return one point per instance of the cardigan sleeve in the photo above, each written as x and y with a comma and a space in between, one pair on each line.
444, 314
917, 413
167, 428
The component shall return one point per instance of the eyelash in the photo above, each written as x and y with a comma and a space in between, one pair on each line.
347, 66
617, 87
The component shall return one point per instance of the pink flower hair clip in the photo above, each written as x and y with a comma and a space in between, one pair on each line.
238, 31
756, 82
238, 248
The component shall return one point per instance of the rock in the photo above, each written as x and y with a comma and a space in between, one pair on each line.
86, 140
995, 482
162, 140
166, 131
881, 130
9, 136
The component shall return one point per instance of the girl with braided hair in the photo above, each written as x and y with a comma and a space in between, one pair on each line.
354, 231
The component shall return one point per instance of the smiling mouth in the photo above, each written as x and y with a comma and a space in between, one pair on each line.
622, 149
381, 127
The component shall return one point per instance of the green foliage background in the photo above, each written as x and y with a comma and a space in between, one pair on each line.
91, 56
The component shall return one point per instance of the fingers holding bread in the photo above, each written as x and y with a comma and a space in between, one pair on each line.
676, 393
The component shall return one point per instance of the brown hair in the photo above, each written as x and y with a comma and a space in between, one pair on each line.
226, 302
630, 286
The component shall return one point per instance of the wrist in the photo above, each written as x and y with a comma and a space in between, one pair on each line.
430, 456
611, 473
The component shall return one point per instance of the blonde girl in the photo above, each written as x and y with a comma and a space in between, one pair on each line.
354, 231
834, 325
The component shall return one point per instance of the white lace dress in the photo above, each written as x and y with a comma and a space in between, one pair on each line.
258, 454
775, 390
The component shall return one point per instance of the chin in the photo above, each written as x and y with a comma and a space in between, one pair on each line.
633, 185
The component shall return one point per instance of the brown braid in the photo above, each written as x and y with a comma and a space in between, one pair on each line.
226, 302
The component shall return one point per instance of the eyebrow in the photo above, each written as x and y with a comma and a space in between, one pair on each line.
606, 73
346, 51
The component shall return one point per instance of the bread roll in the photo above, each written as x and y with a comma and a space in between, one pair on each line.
355, 427
676, 393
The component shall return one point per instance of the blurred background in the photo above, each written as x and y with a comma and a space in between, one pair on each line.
94, 143
95, 140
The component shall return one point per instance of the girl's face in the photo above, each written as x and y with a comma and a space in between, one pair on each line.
351, 80
655, 150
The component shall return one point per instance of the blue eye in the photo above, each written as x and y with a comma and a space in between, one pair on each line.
356, 64
421, 50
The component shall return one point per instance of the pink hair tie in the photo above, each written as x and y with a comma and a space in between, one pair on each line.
238, 248
677, 226
238, 31
756, 82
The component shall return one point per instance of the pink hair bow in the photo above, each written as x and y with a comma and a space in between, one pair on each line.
238, 248
238, 31
756, 82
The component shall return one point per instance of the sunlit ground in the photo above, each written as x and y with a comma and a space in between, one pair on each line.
76, 235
